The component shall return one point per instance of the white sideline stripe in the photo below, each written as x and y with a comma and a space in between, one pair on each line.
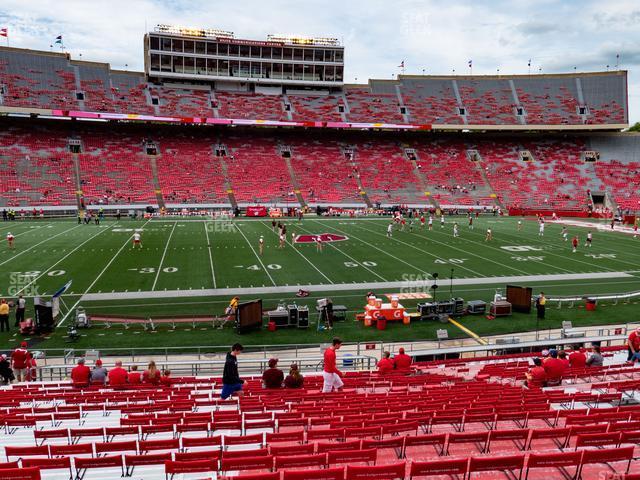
166, 247
256, 254
61, 260
40, 243
29, 230
349, 286
213, 272
299, 253
98, 277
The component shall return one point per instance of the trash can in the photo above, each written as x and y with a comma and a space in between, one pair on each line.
590, 304
272, 326
381, 323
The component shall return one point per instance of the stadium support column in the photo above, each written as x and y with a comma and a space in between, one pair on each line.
156, 181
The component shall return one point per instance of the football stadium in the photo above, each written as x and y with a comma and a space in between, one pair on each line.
239, 262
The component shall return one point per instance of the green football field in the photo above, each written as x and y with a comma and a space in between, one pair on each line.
189, 266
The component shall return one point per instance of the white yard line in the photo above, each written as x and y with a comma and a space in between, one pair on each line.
374, 286
299, 253
99, 276
256, 254
166, 247
534, 239
375, 247
415, 247
62, 259
213, 272
39, 243
348, 256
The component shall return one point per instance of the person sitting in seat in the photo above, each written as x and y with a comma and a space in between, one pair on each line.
577, 359
80, 374
272, 376
402, 361
536, 376
295, 378
118, 375
385, 365
595, 359
166, 379
134, 376
99, 373
554, 367
151, 374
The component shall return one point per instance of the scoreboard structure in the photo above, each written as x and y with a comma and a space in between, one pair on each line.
209, 55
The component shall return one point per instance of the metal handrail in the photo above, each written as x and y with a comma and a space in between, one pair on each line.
214, 367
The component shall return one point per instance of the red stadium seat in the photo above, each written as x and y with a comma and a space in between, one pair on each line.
394, 471
172, 468
438, 468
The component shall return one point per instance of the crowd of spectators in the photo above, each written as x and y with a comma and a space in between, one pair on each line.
82, 375
549, 370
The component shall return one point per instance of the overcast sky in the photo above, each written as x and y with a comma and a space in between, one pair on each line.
431, 36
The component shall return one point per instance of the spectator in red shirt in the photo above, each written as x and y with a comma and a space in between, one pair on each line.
166, 379
32, 368
385, 365
536, 376
577, 359
118, 375
402, 361
633, 343
272, 377
80, 374
151, 374
331, 375
134, 376
554, 367
19, 362
562, 356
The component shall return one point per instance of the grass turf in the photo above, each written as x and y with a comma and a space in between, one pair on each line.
198, 255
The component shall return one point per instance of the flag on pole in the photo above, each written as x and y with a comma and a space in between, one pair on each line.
62, 289
4, 32
58, 39
401, 64
529, 63
470, 63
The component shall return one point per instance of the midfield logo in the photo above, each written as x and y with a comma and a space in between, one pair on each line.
325, 237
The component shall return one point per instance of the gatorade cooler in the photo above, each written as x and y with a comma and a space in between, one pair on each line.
367, 321
378, 303
590, 304
394, 301
406, 319
371, 300
381, 324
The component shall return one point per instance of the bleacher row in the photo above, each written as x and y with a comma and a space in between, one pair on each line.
37, 169
458, 417
50, 80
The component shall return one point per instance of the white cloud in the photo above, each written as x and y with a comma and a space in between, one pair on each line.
427, 34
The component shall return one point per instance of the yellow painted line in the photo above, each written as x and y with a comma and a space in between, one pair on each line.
474, 335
